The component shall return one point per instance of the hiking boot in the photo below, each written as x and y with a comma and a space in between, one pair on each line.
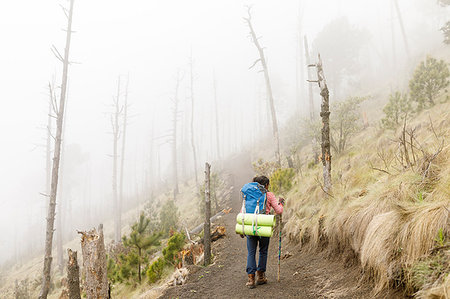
251, 281
261, 277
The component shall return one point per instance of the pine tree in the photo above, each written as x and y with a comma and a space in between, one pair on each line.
140, 240
168, 216
397, 108
430, 77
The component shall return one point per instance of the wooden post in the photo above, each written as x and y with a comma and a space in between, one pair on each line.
325, 114
73, 275
207, 225
94, 263
56, 158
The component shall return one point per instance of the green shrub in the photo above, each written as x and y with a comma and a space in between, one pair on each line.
281, 180
430, 77
155, 271
174, 245
168, 216
395, 110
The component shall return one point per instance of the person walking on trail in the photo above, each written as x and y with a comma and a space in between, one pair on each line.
253, 241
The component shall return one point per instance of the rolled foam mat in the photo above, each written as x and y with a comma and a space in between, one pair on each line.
263, 231
263, 220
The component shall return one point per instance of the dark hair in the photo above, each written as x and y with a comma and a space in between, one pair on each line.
262, 180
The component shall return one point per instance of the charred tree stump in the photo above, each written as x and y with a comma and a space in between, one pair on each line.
207, 225
94, 263
73, 275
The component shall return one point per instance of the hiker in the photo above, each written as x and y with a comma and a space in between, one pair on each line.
252, 241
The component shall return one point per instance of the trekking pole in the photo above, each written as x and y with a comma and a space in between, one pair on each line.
279, 250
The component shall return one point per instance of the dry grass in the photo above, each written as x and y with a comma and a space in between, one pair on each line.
388, 219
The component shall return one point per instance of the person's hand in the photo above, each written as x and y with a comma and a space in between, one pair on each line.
281, 201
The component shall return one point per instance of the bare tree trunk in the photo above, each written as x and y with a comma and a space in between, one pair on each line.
300, 65
73, 275
122, 156
400, 20
207, 225
174, 137
116, 136
192, 122
56, 157
61, 206
94, 263
263, 62
310, 92
216, 108
49, 142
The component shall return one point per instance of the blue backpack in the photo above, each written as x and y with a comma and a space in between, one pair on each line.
254, 198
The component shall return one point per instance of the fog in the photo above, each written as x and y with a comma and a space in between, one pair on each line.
147, 43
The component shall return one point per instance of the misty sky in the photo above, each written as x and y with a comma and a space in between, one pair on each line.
150, 41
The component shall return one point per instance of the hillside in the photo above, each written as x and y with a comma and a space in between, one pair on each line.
393, 220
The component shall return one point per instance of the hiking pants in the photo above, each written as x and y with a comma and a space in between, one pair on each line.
252, 243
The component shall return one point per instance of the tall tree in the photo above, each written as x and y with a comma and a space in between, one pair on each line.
310, 92
343, 62
262, 60
402, 27
115, 118
191, 64
122, 156
174, 135
216, 109
56, 158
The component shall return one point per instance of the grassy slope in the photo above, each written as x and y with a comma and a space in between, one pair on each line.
386, 221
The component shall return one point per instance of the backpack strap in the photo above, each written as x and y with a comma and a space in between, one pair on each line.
255, 219
243, 211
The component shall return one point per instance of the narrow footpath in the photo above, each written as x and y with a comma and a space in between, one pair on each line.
303, 275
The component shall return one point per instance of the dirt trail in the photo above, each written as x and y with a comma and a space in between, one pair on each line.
303, 275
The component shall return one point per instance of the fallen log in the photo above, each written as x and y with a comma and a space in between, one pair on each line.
199, 227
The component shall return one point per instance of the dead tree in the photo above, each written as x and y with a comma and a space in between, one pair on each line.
192, 120
73, 275
59, 110
262, 60
310, 91
122, 156
325, 115
118, 109
216, 108
174, 136
207, 225
48, 163
61, 213
94, 263
400, 21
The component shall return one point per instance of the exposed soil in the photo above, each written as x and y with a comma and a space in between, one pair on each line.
303, 275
